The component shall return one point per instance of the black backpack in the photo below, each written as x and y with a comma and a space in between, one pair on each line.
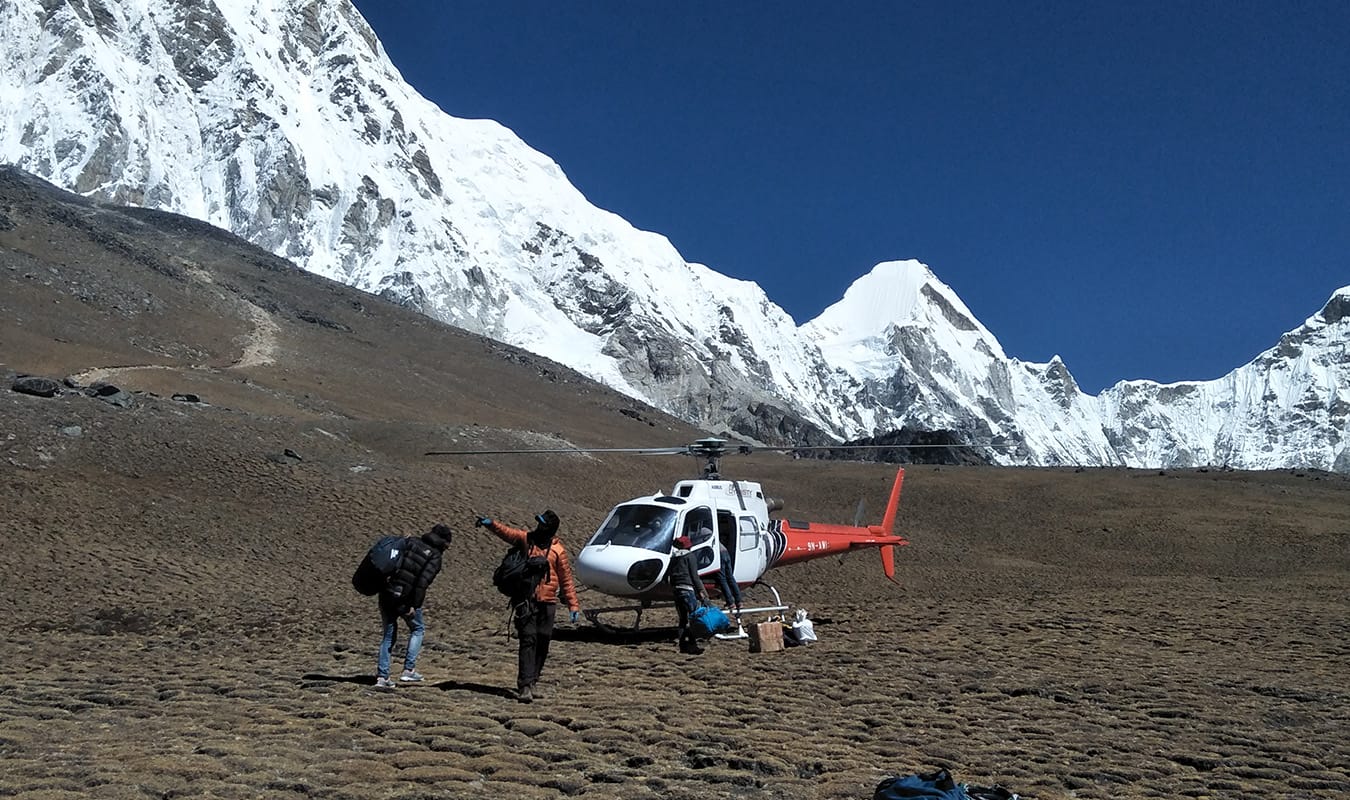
381, 561
519, 574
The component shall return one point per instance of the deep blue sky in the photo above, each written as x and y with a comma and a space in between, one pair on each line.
1149, 190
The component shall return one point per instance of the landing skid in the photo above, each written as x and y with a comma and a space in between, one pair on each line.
775, 612
593, 615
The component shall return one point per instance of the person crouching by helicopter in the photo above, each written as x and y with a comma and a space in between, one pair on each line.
688, 589
534, 617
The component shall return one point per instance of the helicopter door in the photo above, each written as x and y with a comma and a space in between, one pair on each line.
751, 559
726, 536
699, 527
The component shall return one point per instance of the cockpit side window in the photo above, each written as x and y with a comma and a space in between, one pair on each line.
699, 527
648, 527
749, 533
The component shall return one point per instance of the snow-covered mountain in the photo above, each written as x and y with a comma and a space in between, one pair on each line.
285, 122
1289, 407
921, 360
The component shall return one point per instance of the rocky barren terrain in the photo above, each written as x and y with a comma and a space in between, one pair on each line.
179, 623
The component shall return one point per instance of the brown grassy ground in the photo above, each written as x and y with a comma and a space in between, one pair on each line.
179, 623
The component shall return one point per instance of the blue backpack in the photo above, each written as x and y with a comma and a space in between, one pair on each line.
932, 786
381, 561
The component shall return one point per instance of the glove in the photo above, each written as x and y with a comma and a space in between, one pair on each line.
576, 616
482, 522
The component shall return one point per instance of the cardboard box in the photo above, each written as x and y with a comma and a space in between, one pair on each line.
766, 637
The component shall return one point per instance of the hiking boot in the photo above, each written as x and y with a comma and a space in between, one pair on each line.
525, 694
411, 675
385, 685
535, 693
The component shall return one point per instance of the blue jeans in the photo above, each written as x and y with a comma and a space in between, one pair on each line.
731, 591
389, 615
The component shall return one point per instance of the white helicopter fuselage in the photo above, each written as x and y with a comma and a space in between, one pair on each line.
630, 552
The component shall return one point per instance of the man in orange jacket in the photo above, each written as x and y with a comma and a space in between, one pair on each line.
534, 616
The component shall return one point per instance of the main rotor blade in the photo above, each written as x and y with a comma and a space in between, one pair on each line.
700, 449
646, 451
789, 449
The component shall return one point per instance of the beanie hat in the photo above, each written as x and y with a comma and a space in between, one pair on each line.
548, 523
439, 536
683, 542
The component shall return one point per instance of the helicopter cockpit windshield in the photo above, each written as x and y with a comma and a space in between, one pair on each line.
648, 527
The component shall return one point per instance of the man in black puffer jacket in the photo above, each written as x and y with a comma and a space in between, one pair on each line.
402, 597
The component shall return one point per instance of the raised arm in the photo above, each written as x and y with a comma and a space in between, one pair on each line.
512, 536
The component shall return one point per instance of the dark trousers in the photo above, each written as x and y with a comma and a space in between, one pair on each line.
731, 591
534, 627
685, 603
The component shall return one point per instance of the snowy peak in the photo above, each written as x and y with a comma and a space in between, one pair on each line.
896, 306
893, 294
1288, 407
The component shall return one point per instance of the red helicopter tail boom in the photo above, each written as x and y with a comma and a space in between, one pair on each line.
888, 525
807, 540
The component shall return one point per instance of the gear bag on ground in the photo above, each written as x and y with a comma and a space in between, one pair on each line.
381, 561
937, 786
708, 620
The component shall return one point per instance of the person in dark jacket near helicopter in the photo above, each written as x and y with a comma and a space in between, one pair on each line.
688, 589
534, 616
726, 583
402, 597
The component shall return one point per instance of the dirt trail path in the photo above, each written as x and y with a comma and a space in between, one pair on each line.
259, 348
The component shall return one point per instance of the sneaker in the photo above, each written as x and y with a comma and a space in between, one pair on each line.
410, 675
525, 695
384, 685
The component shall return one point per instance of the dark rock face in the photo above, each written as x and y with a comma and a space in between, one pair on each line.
1337, 309
402, 288
911, 446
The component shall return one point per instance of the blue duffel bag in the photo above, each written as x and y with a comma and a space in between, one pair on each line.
707, 620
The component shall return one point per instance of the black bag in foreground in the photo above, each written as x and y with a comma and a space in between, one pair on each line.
519, 574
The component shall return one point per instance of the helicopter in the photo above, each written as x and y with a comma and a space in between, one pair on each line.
628, 555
